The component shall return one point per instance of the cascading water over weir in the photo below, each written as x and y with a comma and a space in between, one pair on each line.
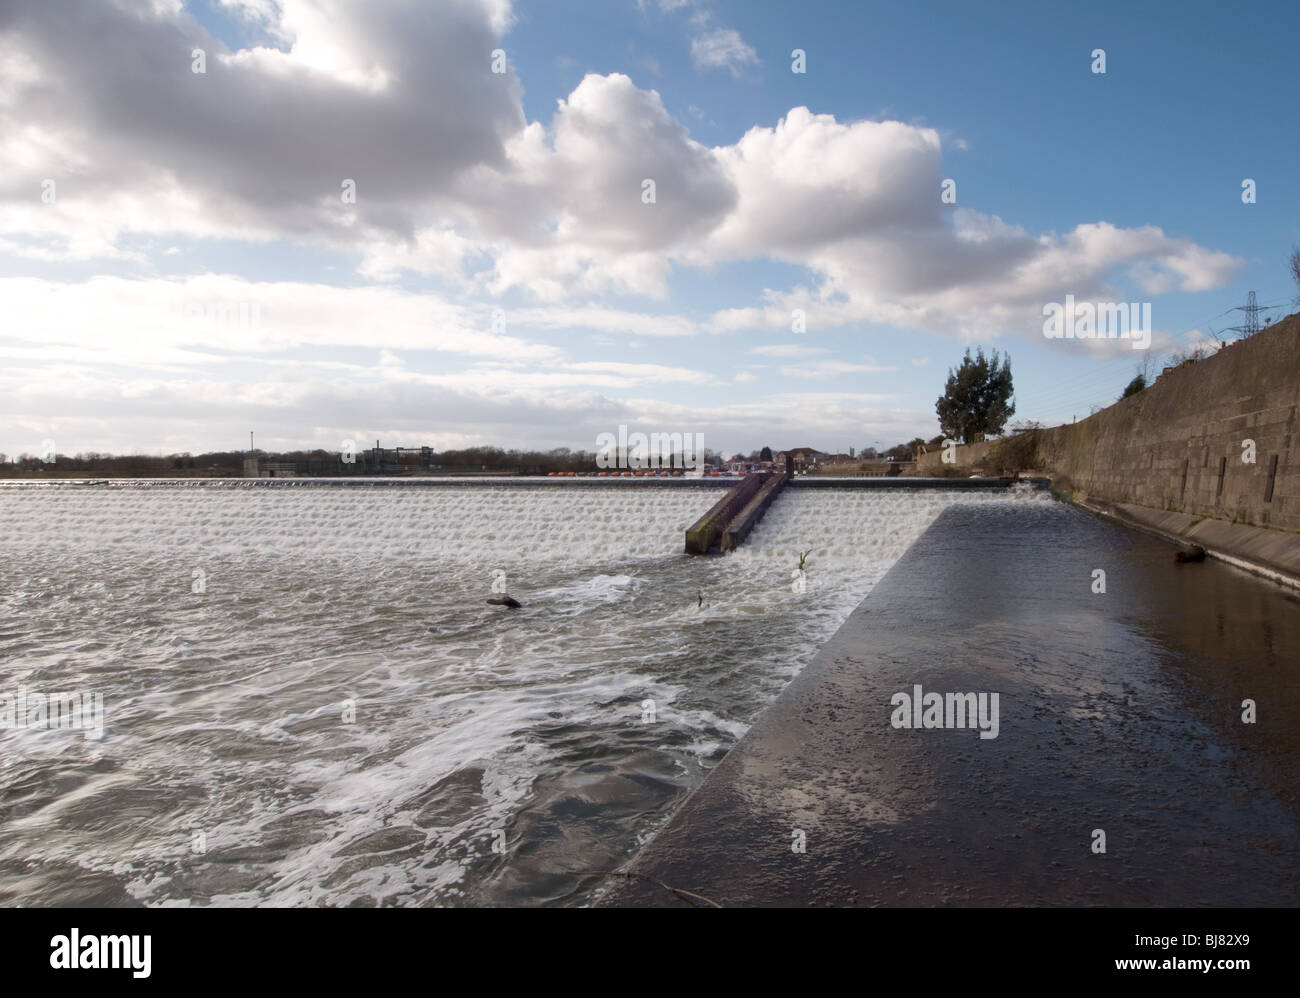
310, 677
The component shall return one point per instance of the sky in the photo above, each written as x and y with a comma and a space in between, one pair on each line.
524, 224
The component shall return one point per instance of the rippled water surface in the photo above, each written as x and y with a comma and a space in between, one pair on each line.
339, 718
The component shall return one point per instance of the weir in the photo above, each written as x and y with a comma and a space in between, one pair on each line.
732, 517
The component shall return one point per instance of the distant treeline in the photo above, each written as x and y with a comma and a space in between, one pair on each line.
308, 462
127, 465
218, 464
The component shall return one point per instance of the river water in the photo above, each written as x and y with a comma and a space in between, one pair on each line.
308, 700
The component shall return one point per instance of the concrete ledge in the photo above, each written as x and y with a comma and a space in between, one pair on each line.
1118, 711
1273, 554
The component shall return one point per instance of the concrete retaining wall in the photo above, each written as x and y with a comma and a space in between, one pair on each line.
1178, 445
967, 455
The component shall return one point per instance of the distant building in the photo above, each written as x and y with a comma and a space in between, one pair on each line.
372, 461
255, 467
804, 458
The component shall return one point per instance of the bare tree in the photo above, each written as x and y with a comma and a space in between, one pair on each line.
1295, 273
1148, 367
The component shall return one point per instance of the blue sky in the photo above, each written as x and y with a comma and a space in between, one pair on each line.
500, 279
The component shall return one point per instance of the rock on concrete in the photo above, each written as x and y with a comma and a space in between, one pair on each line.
1274, 553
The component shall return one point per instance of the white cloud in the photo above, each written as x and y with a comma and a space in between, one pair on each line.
258, 146
712, 46
216, 313
821, 369
604, 319
570, 211
788, 350
722, 48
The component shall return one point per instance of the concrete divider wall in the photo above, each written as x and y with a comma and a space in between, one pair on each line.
705, 532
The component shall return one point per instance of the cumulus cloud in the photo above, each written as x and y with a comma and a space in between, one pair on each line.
602, 200
462, 187
101, 98
857, 205
811, 182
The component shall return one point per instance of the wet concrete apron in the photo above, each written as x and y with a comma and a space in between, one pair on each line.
1118, 711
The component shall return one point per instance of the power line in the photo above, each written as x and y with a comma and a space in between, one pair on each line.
1081, 391
1251, 325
